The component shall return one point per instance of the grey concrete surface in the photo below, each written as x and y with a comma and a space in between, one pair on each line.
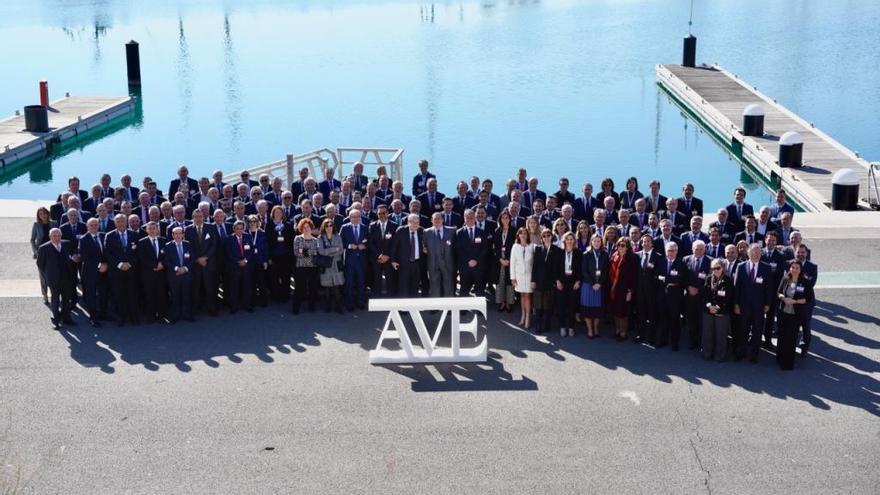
290, 405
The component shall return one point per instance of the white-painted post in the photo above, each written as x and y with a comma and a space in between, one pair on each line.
290, 171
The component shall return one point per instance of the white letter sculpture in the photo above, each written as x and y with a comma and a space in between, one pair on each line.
394, 329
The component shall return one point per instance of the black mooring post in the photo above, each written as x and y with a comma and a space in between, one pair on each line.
689, 55
133, 62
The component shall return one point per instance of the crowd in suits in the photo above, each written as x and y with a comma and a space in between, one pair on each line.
643, 261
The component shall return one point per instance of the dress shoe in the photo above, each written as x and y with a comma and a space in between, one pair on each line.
804, 352
55, 324
753, 359
562, 332
571, 332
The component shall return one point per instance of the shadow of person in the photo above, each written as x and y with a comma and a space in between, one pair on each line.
84, 349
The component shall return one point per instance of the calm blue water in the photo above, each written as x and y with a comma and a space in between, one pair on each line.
561, 87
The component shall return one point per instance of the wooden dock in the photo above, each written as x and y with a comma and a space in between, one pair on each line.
68, 117
716, 98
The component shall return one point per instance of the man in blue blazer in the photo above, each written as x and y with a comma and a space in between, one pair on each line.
183, 178
178, 264
470, 252
120, 248
329, 183
739, 209
698, 266
420, 181
753, 295
354, 239
239, 257
379, 245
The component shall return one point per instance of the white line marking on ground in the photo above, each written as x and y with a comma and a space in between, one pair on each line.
629, 394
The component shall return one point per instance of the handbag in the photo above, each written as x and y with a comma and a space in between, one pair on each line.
322, 261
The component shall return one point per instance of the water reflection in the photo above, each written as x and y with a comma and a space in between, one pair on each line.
184, 71
233, 91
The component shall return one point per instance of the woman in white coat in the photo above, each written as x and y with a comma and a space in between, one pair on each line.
521, 273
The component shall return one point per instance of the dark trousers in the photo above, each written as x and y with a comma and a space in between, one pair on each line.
786, 345
279, 278
355, 284
806, 325
471, 278
305, 281
646, 311
153, 293
751, 327
694, 317
259, 289
204, 287
409, 276
769, 321
567, 303
180, 301
95, 291
670, 318
383, 279
237, 288
125, 298
61, 299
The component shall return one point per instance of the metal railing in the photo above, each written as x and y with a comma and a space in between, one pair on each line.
318, 161
873, 188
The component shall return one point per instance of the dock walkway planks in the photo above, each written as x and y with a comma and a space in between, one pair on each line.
68, 117
718, 98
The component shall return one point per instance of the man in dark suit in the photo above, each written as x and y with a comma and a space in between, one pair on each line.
671, 278
462, 200
584, 205
679, 220
431, 199
470, 252
698, 267
646, 294
750, 234
55, 260
439, 244
202, 239
780, 206
563, 195
330, 212
409, 251
239, 257
354, 239
726, 229
739, 209
93, 273
357, 178
329, 183
488, 263
693, 235
178, 267
753, 296
192, 185
298, 187
74, 189
773, 256
666, 236
379, 246
120, 248
811, 275
451, 218
420, 181
73, 228
91, 203
655, 202
151, 257
689, 204
246, 179
532, 192
714, 248
129, 192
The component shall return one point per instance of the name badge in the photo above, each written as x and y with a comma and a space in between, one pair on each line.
280, 238
161, 252
388, 236
448, 242
661, 278
421, 183
568, 272
799, 288
725, 236
437, 207
598, 273
186, 256
134, 246
759, 280
247, 247
256, 250
722, 293
207, 236
673, 273
701, 275
478, 240
773, 265
650, 265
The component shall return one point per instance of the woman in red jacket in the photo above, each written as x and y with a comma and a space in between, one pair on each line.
623, 277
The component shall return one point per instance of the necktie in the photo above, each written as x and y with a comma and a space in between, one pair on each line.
382, 227
448, 219
471, 233
668, 266
439, 234
98, 242
156, 247
644, 260
222, 231
357, 232
752, 272
240, 247
124, 241
413, 246
57, 247
180, 252
199, 232
739, 213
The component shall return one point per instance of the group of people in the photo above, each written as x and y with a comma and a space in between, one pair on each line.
645, 261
